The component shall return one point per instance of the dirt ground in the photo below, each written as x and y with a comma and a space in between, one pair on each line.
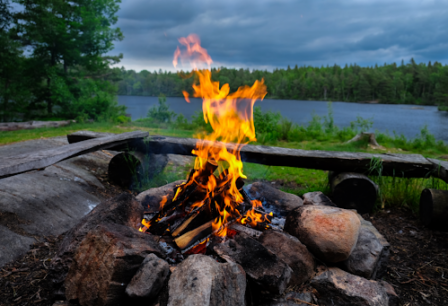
417, 269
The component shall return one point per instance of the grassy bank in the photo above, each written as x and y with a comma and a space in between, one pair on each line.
272, 129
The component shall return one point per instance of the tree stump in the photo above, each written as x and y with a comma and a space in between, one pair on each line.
434, 208
371, 140
352, 190
131, 169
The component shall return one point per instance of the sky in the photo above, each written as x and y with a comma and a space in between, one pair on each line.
269, 34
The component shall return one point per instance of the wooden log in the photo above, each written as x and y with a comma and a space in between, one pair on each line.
13, 165
131, 169
353, 191
198, 234
29, 125
434, 208
85, 135
402, 165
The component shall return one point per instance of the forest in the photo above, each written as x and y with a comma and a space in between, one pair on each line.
56, 63
410, 83
53, 60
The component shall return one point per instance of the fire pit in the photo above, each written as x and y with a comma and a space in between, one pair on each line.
210, 240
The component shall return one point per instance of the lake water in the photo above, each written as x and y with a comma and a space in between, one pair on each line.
403, 119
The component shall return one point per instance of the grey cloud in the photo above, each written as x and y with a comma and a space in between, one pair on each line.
279, 33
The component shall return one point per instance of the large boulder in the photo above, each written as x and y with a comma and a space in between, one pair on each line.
330, 233
339, 288
289, 249
105, 262
200, 280
121, 210
277, 201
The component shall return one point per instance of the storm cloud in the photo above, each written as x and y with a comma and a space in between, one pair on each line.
268, 34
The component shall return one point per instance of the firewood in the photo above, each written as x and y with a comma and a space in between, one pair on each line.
199, 233
247, 230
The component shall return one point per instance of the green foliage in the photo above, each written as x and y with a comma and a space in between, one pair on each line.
361, 124
161, 113
66, 42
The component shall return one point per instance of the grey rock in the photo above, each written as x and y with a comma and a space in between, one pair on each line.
262, 266
47, 202
369, 256
330, 233
149, 279
12, 245
394, 299
317, 198
337, 287
289, 249
200, 280
277, 201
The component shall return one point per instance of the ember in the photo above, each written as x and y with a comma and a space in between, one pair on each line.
213, 198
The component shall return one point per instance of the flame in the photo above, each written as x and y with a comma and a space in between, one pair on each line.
253, 218
195, 53
231, 117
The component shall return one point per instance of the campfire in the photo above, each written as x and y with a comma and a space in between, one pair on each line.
212, 199
209, 241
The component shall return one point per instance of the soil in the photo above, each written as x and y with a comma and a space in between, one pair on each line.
417, 269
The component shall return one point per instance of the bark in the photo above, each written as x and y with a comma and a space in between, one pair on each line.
434, 209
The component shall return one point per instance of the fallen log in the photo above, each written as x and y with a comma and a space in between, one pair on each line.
29, 125
434, 208
13, 165
353, 191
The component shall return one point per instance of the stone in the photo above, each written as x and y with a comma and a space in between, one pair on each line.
45, 202
337, 287
289, 249
151, 198
105, 262
369, 256
149, 279
121, 210
394, 299
262, 266
330, 233
274, 200
317, 198
200, 280
383, 258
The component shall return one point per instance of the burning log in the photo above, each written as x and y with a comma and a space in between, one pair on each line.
434, 208
353, 191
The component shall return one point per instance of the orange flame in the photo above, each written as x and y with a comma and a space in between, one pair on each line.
195, 53
231, 117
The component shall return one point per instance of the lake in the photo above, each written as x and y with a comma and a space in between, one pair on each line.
403, 119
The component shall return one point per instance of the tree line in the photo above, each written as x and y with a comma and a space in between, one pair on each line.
52, 59
411, 83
